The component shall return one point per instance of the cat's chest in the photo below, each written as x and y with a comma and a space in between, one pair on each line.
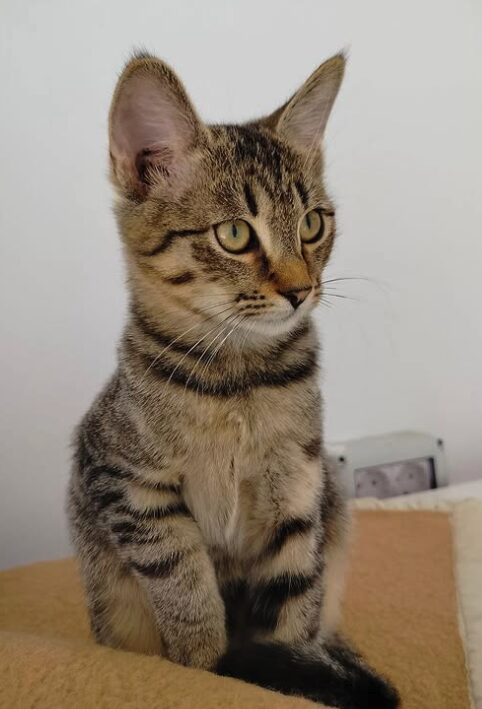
226, 458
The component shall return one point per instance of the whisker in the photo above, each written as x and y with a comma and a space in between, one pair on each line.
199, 360
167, 347
366, 279
249, 330
193, 347
211, 357
179, 313
341, 278
218, 347
326, 303
338, 295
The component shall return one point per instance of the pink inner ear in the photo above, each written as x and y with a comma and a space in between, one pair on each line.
304, 120
149, 127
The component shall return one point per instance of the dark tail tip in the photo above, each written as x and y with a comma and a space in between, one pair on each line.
338, 678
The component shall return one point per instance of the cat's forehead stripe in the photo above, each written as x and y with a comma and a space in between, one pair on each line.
266, 162
302, 193
251, 145
250, 200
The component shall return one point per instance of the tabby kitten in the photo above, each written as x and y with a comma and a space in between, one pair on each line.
207, 523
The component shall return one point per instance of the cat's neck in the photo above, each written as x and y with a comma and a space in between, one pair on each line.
225, 366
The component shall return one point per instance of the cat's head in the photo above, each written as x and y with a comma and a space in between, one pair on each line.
221, 223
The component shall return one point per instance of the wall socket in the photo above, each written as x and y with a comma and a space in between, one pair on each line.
393, 464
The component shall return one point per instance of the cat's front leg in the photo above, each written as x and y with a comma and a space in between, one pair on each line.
286, 575
292, 652
160, 544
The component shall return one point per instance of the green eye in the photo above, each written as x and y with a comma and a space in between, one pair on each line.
312, 227
235, 236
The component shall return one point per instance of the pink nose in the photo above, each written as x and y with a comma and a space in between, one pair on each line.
296, 297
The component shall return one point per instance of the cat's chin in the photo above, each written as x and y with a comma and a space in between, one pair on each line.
271, 327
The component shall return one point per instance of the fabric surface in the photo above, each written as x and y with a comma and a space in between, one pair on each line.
464, 504
401, 605
400, 609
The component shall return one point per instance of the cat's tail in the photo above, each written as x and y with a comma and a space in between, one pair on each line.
335, 675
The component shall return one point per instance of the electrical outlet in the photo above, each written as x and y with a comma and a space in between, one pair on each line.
395, 479
390, 465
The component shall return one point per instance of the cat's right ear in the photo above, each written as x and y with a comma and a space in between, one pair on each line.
153, 130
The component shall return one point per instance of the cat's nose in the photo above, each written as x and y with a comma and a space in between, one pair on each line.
296, 297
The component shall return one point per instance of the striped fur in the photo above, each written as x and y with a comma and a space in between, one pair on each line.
206, 520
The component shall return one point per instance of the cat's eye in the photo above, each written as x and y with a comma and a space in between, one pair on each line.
235, 236
312, 227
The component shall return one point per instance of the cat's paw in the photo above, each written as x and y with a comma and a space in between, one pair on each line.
199, 647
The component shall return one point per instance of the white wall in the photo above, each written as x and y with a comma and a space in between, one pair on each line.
404, 161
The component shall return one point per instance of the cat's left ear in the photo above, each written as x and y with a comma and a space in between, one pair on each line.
302, 120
